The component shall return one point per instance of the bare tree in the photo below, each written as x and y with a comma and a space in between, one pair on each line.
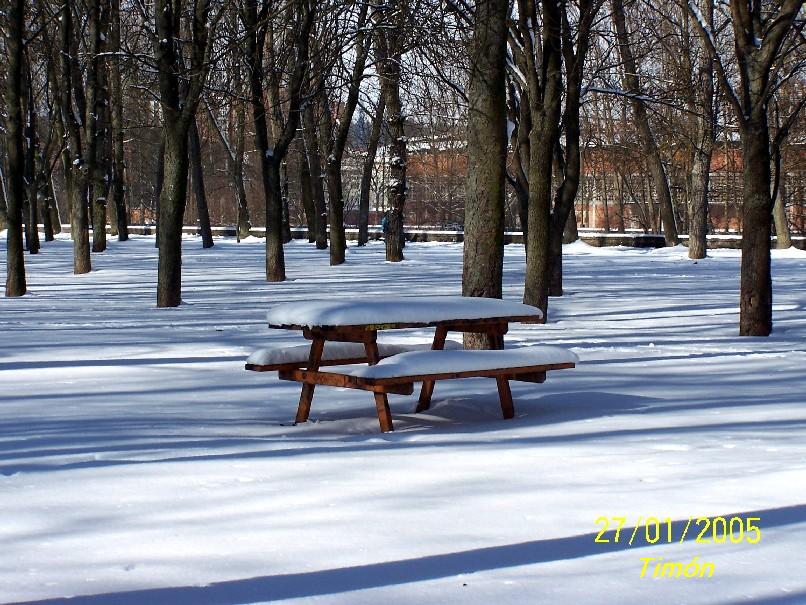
389, 27
299, 17
180, 88
15, 41
760, 34
632, 87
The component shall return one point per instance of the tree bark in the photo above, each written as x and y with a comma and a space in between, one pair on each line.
180, 89
118, 185
368, 170
572, 160
483, 259
306, 189
82, 156
15, 258
783, 237
755, 299
199, 192
545, 101
311, 139
30, 207
701, 108
172, 209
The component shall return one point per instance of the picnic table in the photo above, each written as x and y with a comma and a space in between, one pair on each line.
344, 349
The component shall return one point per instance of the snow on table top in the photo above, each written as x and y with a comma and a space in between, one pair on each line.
393, 310
418, 363
335, 350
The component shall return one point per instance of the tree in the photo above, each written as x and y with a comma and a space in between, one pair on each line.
338, 129
483, 261
760, 32
575, 49
389, 27
15, 42
632, 87
299, 17
367, 170
180, 88
117, 188
701, 106
542, 90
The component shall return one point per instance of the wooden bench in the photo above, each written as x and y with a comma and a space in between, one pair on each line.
398, 373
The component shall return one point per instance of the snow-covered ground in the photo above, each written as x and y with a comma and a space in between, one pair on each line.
141, 464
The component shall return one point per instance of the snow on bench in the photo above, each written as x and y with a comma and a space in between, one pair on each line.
414, 311
295, 356
416, 366
427, 362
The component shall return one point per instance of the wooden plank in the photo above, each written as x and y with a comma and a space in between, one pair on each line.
371, 347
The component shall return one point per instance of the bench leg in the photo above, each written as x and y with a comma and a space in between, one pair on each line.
306, 397
384, 414
427, 390
505, 395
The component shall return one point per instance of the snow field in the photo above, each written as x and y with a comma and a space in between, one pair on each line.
139, 462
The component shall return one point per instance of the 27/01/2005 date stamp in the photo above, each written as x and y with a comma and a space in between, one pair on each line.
662, 530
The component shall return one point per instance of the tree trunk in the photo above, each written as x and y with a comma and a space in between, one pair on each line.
570, 233
82, 157
755, 300
199, 192
306, 189
15, 259
172, 202
698, 211
30, 207
103, 158
646, 137
396, 189
55, 216
287, 237
315, 165
367, 172
275, 258
159, 181
118, 186
783, 237
483, 259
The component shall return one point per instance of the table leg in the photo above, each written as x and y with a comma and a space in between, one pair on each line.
371, 348
306, 397
428, 385
384, 414
505, 395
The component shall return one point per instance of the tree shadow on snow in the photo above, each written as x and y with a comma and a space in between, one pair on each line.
406, 571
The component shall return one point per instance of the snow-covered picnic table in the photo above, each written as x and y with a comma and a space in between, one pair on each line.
339, 330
